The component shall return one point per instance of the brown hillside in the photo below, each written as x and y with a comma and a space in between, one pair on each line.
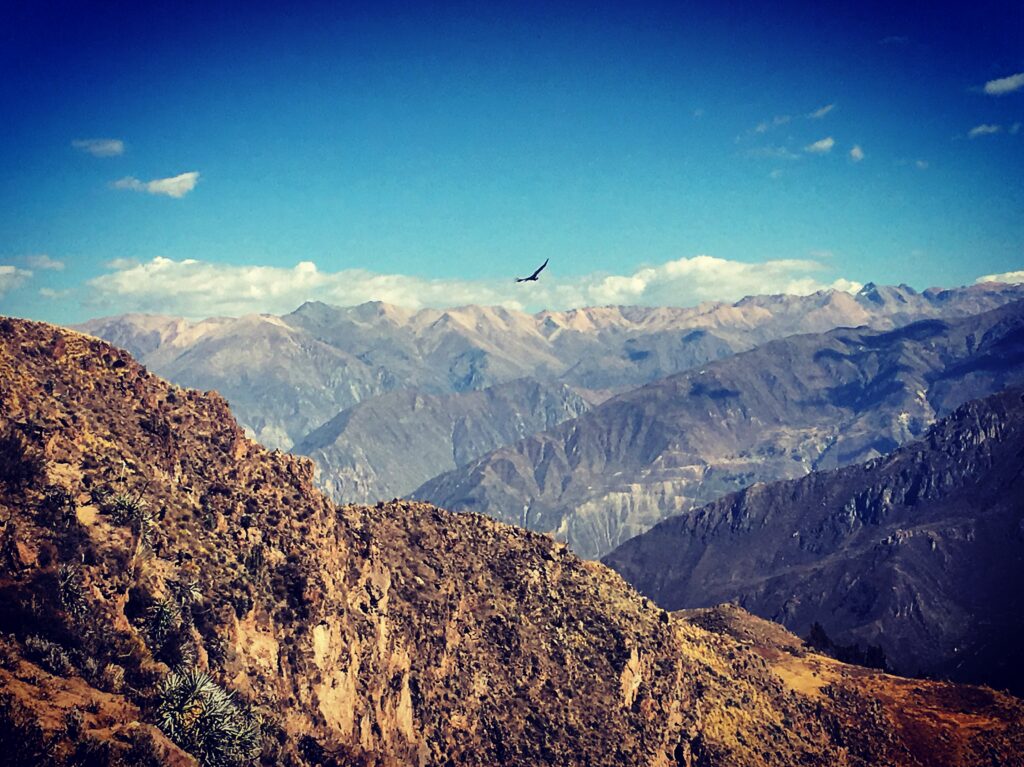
140, 531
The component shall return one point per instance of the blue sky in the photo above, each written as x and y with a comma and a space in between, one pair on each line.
212, 159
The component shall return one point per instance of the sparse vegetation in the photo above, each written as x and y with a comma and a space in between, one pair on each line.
134, 512
57, 510
21, 465
49, 655
164, 619
71, 591
130, 510
206, 720
186, 592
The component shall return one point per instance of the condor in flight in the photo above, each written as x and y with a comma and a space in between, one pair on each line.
533, 277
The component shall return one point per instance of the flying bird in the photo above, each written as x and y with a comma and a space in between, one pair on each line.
533, 277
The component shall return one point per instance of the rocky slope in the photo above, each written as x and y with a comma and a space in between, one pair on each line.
779, 411
389, 445
141, 530
285, 376
920, 553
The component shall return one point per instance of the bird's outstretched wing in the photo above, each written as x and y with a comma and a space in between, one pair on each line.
533, 276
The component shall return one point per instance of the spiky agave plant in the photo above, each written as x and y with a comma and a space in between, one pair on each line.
133, 511
71, 590
206, 720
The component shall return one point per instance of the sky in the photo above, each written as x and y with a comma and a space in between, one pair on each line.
217, 159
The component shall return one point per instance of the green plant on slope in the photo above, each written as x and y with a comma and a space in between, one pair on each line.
206, 720
71, 591
134, 512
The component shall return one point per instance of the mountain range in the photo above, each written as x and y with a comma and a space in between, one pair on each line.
173, 593
286, 376
919, 553
387, 446
359, 375
778, 411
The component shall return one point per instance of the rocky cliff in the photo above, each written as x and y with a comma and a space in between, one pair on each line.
166, 581
919, 553
779, 411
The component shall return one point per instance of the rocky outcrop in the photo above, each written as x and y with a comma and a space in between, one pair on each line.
142, 532
779, 411
918, 553
389, 445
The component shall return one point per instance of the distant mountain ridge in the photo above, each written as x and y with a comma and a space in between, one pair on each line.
286, 376
920, 552
779, 411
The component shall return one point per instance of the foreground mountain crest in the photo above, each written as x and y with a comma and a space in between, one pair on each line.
143, 533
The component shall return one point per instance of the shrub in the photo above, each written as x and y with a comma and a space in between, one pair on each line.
100, 496
49, 655
163, 620
73, 723
186, 593
20, 465
133, 511
71, 591
255, 561
206, 720
111, 678
57, 509
167, 634
127, 509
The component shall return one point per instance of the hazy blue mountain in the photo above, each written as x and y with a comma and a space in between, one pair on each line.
387, 446
778, 411
286, 376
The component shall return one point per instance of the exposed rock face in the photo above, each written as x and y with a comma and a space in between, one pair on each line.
920, 552
285, 376
390, 635
389, 445
778, 411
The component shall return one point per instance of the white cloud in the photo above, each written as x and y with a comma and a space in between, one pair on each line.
1011, 277
921, 164
894, 40
100, 147
1014, 129
983, 130
175, 186
1005, 85
45, 263
121, 263
817, 114
196, 289
11, 277
771, 153
856, 154
822, 146
51, 294
775, 122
